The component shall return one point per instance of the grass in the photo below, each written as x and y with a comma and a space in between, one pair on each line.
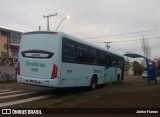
122, 84
115, 84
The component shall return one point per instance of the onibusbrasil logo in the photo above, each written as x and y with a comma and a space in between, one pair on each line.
21, 111
35, 64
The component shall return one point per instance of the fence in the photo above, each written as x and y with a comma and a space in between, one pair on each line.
8, 69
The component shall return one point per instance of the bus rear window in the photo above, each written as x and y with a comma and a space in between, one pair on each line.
37, 54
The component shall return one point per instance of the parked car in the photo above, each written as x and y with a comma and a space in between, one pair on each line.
144, 74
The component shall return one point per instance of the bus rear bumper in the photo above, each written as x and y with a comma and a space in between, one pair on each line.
40, 82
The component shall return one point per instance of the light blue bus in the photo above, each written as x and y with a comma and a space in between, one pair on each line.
56, 59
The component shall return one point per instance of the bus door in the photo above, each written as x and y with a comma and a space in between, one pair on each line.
108, 69
107, 74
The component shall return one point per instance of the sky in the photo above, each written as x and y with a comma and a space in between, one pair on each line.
122, 22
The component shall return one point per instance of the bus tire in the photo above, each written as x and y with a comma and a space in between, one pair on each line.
93, 84
118, 77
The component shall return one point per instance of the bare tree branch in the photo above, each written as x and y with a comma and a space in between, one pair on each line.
146, 47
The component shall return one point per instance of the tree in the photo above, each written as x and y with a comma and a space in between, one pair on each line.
146, 47
137, 68
127, 66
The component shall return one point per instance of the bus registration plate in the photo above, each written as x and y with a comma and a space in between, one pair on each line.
33, 81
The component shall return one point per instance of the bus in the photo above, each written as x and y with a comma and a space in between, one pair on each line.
56, 59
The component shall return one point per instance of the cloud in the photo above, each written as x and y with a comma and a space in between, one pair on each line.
89, 18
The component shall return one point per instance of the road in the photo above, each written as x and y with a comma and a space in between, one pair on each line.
133, 93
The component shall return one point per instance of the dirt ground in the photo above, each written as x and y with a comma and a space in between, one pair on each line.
121, 98
112, 100
133, 93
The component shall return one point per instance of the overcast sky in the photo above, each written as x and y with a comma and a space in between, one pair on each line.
90, 18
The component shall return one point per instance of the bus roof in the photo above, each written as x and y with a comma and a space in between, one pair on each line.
89, 44
72, 38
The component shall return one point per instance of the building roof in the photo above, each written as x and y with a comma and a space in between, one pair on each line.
2, 28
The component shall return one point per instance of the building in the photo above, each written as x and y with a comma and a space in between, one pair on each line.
9, 43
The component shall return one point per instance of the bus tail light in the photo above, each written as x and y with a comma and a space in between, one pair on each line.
18, 68
54, 72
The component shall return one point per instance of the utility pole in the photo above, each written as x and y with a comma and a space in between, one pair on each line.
107, 46
39, 28
48, 16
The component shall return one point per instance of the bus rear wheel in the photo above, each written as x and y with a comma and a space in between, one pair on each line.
118, 78
93, 84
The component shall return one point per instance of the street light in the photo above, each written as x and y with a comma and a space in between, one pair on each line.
67, 17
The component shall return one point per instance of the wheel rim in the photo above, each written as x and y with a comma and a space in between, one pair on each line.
93, 84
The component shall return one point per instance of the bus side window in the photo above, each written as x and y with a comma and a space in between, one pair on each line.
98, 57
79, 51
102, 58
85, 54
109, 61
68, 52
82, 53
92, 56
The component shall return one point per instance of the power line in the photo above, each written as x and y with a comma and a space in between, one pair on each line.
28, 6
120, 34
131, 40
32, 5
18, 20
136, 35
137, 39
19, 23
